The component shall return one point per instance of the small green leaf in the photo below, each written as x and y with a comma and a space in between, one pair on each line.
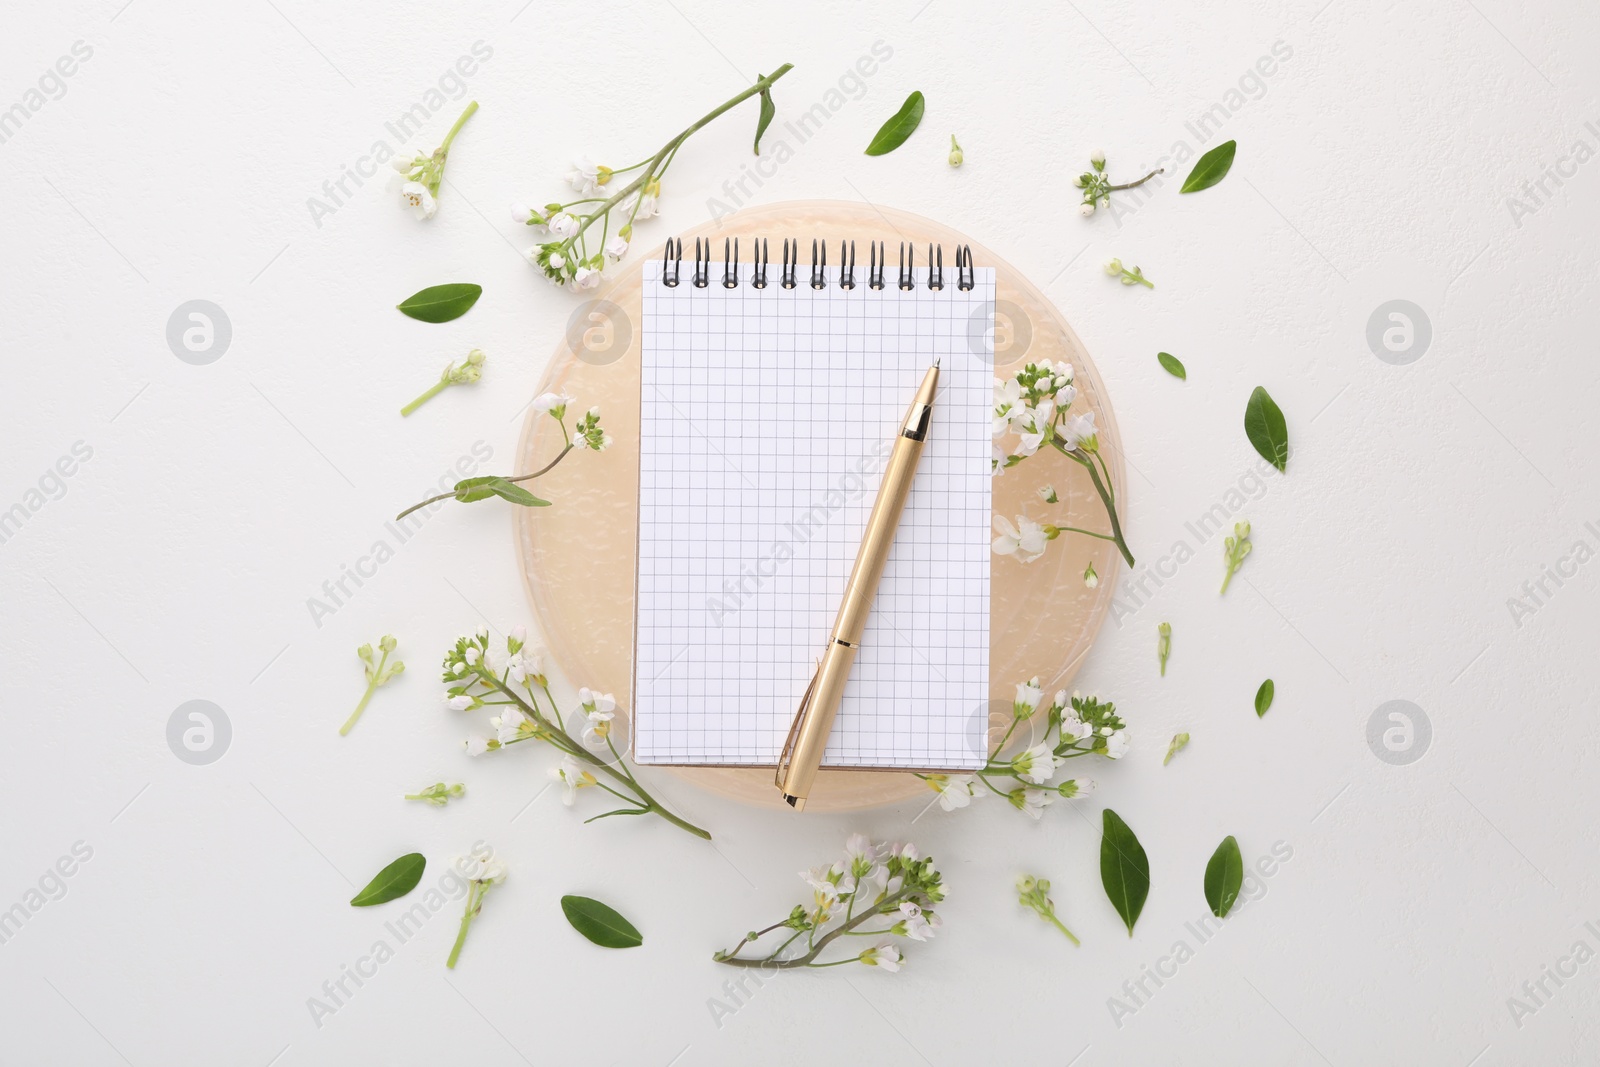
474, 489
395, 880
441, 303
893, 134
1210, 168
1179, 741
1264, 697
768, 109
1224, 876
1172, 365
1264, 425
599, 923
1124, 868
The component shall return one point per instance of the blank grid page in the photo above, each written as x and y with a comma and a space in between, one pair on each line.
766, 419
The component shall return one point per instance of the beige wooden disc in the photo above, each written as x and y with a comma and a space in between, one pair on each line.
578, 557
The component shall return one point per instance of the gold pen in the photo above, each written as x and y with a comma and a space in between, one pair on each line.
801, 757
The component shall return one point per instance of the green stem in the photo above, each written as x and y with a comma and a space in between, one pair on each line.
474, 905
1077, 456
371, 687
1057, 924
761, 85
437, 388
444, 146
567, 744
519, 478
1117, 188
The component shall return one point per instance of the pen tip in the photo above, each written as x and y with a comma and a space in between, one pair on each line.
936, 361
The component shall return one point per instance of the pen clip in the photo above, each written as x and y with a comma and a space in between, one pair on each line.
794, 731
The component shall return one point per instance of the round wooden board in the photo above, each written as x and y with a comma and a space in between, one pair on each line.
578, 558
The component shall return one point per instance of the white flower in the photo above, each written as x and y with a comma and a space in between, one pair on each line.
462, 702
1047, 493
584, 176
617, 247
572, 778
1114, 268
1008, 405
551, 402
859, 852
1025, 540
956, 791
473, 654
474, 869
885, 955
602, 701
563, 225
1090, 577
1035, 764
1086, 209
509, 723
405, 164
1075, 787
415, 196
599, 724
1035, 428
1078, 429
1117, 745
1028, 696
824, 883
997, 460
525, 663
1030, 801
1075, 728
918, 928
1098, 158
584, 278
477, 745
521, 212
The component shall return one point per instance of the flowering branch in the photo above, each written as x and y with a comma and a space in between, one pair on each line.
425, 170
875, 882
377, 673
1034, 405
484, 677
1097, 188
586, 432
567, 260
1088, 728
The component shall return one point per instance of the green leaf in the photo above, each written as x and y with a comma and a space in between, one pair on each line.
474, 489
599, 923
1210, 168
893, 134
441, 303
395, 880
1224, 876
1124, 868
1172, 365
1264, 697
1264, 425
768, 109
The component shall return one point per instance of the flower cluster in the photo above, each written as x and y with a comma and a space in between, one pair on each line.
438, 793
880, 891
482, 872
422, 172
1128, 277
509, 677
1097, 187
571, 256
1034, 894
466, 372
378, 673
1234, 550
1032, 411
1079, 726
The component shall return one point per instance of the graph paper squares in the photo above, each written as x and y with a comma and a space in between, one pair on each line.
766, 418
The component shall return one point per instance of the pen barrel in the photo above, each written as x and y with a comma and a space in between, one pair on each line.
827, 691
898, 475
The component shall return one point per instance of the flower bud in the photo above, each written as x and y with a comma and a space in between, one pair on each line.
1098, 159
1114, 267
955, 152
1086, 209
388, 643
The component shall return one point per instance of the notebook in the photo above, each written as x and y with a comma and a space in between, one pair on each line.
769, 401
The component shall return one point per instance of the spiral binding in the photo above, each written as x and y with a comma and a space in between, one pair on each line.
789, 269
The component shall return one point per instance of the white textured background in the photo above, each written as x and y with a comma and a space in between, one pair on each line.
1375, 164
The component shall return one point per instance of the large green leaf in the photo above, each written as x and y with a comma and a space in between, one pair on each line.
1224, 876
1264, 425
902, 124
600, 923
1124, 868
395, 880
441, 303
1210, 168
